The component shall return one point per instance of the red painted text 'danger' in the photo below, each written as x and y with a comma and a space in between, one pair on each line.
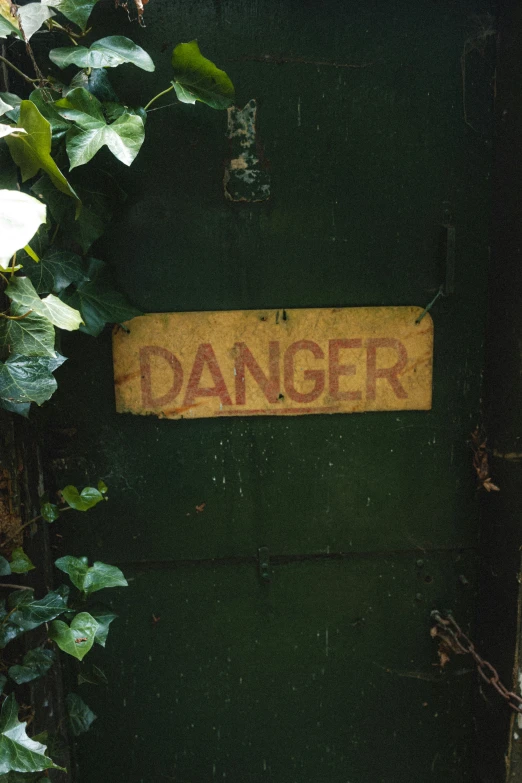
278, 374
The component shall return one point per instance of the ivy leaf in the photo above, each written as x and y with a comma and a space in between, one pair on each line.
3, 680
31, 336
5, 568
17, 751
96, 82
102, 487
35, 664
198, 79
44, 100
75, 567
80, 715
76, 639
21, 291
93, 675
104, 617
49, 511
56, 270
7, 130
12, 101
8, 170
81, 501
32, 16
90, 580
90, 132
106, 53
20, 216
4, 107
100, 303
77, 11
90, 223
21, 408
20, 562
30, 612
8, 22
32, 151
26, 379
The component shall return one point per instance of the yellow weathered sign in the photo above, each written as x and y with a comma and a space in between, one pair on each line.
274, 362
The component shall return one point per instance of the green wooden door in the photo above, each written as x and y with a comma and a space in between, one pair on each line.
327, 671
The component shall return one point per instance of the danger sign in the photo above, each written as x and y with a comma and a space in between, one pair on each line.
274, 362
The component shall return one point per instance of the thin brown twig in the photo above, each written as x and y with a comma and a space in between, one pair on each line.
31, 521
18, 71
15, 587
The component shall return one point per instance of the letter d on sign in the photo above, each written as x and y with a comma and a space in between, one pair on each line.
148, 400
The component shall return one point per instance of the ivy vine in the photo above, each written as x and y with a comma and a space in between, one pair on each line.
51, 214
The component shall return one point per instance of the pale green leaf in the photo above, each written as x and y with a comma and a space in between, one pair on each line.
32, 16
20, 562
20, 216
198, 79
31, 151
77, 11
4, 107
13, 102
106, 53
21, 291
7, 130
17, 751
76, 639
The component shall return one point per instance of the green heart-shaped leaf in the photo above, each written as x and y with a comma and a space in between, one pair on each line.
81, 501
76, 639
20, 563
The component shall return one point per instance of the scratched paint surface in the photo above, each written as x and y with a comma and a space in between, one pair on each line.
245, 179
248, 363
371, 520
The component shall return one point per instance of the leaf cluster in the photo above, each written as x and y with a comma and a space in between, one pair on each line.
50, 216
74, 622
